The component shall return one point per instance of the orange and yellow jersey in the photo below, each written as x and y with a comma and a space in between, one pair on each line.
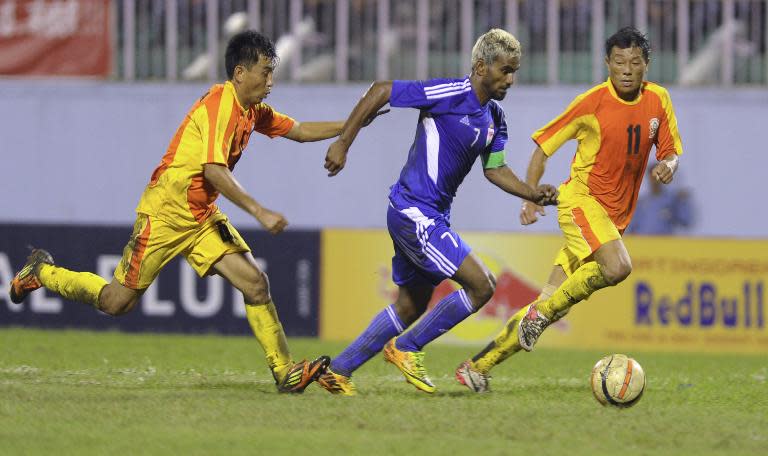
216, 130
615, 139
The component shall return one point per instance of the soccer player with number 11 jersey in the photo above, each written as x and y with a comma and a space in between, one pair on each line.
615, 123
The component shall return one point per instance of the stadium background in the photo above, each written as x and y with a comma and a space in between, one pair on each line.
92, 91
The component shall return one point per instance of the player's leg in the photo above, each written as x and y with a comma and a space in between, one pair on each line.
406, 351
40, 271
411, 302
114, 298
436, 253
473, 373
594, 240
478, 285
611, 266
231, 258
413, 296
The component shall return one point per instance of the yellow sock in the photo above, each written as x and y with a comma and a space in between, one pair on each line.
506, 342
578, 287
269, 332
83, 287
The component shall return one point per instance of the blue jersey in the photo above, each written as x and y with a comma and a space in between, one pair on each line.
453, 130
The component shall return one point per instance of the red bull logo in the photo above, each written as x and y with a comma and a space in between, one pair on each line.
702, 305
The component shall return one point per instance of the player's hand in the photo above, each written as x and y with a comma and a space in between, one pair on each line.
272, 221
530, 212
662, 172
546, 195
336, 157
368, 121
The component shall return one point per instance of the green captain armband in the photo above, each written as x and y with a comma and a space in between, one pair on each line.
494, 160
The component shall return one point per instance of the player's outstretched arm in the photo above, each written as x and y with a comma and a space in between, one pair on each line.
313, 131
364, 111
318, 131
505, 179
665, 170
224, 181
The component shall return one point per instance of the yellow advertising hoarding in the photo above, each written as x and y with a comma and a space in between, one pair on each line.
682, 295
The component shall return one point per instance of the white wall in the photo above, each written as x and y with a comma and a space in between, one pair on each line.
81, 152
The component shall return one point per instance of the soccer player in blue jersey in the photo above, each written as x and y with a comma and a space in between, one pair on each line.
459, 121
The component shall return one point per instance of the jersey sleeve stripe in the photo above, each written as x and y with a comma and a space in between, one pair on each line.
457, 86
445, 86
449, 94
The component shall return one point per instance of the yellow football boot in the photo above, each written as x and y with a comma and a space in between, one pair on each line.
411, 364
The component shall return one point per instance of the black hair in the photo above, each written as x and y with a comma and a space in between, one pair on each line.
628, 37
246, 48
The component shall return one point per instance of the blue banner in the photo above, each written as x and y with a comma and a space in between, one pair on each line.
178, 301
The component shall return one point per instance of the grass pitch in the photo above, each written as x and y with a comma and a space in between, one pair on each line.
73, 392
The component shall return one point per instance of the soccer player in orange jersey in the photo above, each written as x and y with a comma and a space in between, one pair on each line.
177, 213
615, 123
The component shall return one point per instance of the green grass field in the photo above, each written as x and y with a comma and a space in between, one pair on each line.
67, 392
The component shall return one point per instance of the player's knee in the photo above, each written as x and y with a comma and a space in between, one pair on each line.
116, 305
483, 292
616, 273
409, 312
257, 289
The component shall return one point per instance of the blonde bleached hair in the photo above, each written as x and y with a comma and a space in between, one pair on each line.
492, 44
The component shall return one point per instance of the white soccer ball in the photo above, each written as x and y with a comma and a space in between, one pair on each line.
618, 380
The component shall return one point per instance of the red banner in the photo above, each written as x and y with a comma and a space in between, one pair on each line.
55, 37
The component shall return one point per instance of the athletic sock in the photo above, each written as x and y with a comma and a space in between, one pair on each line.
506, 342
449, 312
578, 287
269, 332
82, 287
382, 328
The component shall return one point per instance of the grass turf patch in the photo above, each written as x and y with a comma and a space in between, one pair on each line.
77, 392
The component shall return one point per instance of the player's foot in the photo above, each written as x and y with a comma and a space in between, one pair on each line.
26, 280
531, 326
472, 379
411, 364
337, 383
301, 374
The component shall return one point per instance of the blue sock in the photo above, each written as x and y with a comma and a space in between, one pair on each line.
449, 312
384, 327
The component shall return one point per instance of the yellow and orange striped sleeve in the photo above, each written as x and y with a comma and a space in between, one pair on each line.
668, 138
270, 122
566, 126
217, 119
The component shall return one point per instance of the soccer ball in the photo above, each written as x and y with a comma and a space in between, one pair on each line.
618, 380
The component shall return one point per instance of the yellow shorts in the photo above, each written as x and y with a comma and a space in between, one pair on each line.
585, 225
154, 243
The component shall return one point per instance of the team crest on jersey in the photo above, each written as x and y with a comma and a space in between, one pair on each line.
489, 136
653, 128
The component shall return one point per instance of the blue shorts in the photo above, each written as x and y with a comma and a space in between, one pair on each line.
427, 251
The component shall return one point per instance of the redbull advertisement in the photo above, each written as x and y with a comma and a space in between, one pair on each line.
683, 294
178, 300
